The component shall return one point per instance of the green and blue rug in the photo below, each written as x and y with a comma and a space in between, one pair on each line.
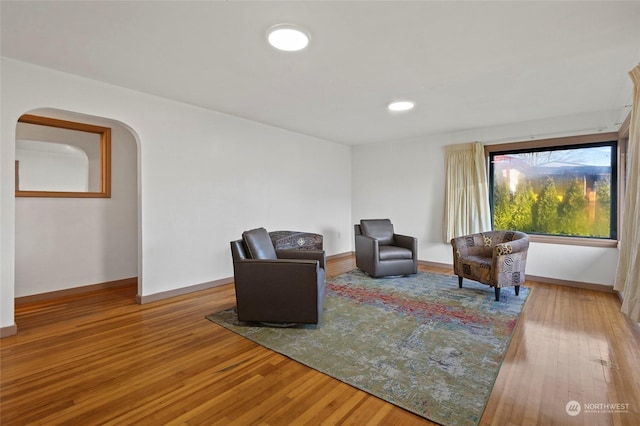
418, 342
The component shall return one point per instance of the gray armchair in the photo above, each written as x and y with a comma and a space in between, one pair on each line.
277, 287
381, 252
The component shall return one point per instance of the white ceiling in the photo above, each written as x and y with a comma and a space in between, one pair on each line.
467, 65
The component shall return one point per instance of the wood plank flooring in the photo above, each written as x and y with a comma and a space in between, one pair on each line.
101, 359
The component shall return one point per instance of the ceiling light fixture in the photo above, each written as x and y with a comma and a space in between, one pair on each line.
287, 37
401, 106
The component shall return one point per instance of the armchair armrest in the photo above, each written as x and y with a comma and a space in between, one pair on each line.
510, 257
459, 245
276, 273
407, 242
367, 245
367, 252
318, 255
509, 247
275, 263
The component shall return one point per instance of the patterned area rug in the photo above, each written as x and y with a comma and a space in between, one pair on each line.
418, 342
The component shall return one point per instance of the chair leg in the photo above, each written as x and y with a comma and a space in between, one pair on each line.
459, 282
517, 290
497, 294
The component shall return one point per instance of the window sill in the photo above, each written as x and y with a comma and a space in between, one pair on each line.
573, 241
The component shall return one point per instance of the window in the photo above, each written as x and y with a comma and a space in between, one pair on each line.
557, 187
58, 158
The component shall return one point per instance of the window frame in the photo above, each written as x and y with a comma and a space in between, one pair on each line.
568, 142
104, 134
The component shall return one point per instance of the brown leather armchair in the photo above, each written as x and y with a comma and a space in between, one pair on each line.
277, 287
381, 252
495, 258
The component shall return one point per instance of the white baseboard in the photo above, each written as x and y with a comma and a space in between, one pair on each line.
8, 331
180, 291
567, 283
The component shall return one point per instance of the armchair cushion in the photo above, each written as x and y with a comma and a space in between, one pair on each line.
259, 244
380, 229
394, 252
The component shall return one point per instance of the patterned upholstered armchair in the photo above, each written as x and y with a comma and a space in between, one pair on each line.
496, 258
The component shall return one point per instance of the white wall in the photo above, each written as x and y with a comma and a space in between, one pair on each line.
63, 243
405, 182
204, 178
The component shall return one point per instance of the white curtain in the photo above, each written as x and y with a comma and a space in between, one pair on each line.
628, 270
466, 206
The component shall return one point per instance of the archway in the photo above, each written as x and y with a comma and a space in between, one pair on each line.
70, 243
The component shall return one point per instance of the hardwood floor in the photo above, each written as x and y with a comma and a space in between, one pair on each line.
99, 358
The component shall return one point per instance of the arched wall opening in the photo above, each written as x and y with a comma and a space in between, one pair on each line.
64, 244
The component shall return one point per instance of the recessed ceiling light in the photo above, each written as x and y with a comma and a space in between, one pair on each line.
287, 37
400, 106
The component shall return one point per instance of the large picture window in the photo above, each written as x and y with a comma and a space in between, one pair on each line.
565, 190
